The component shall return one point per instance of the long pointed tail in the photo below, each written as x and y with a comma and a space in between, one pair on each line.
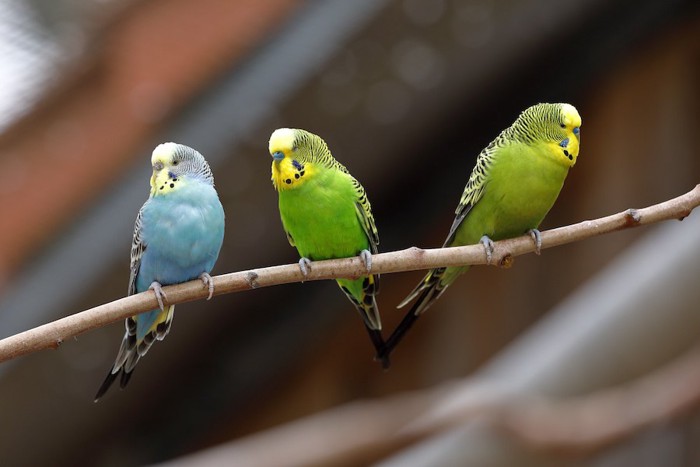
378, 342
132, 348
428, 290
425, 294
362, 293
403, 327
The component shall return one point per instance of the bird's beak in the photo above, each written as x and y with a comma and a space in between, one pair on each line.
278, 155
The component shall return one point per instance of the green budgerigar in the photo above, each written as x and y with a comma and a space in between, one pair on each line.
516, 180
326, 214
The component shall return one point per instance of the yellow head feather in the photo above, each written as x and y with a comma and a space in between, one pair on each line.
282, 140
572, 127
290, 169
555, 126
165, 178
571, 116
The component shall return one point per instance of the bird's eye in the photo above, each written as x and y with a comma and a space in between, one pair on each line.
562, 125
175, 162
295, 148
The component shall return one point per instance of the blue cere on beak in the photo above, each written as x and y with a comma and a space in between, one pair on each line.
278, 155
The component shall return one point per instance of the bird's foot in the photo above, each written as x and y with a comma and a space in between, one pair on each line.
305, 266
208, 282
366, 257
537, 239
160, 295
488, 248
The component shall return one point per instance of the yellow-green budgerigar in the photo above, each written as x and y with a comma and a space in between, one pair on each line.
177, 237
326, 214
516, 180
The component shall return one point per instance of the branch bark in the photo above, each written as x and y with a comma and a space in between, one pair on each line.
51, 335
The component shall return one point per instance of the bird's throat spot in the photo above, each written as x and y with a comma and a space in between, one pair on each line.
168, 184
290, 173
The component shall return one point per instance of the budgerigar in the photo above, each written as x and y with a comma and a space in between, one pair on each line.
326, 214
516, 180
177, 237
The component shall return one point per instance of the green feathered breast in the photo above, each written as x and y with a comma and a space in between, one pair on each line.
321, 216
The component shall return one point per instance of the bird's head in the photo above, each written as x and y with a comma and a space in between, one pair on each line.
557, 126
283, 143
173, 164
296, 155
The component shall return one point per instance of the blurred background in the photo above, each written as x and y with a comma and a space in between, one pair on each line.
406, 93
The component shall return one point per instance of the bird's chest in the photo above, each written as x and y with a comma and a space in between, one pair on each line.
183, 235
521, 191
322, 220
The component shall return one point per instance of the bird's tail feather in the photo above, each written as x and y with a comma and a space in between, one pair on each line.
362, 293
406, 323
429, 289
132, 348
425, 294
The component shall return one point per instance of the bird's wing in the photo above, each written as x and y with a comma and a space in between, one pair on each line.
138, 246
474, 190
289, 237
364, 214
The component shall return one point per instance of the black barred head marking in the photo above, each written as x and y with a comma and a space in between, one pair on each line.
172, 162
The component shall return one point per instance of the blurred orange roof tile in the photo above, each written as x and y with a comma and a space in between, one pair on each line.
147, 64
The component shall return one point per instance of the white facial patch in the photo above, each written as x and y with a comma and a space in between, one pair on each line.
571, 115
282, 138
163, 151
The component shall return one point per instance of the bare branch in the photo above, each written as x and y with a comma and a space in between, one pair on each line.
52, 334
360, 433
590, 423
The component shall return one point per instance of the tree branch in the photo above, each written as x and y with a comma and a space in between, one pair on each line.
589, 423
360, 433
52, 334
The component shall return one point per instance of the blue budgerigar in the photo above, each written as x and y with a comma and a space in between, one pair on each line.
177, 237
